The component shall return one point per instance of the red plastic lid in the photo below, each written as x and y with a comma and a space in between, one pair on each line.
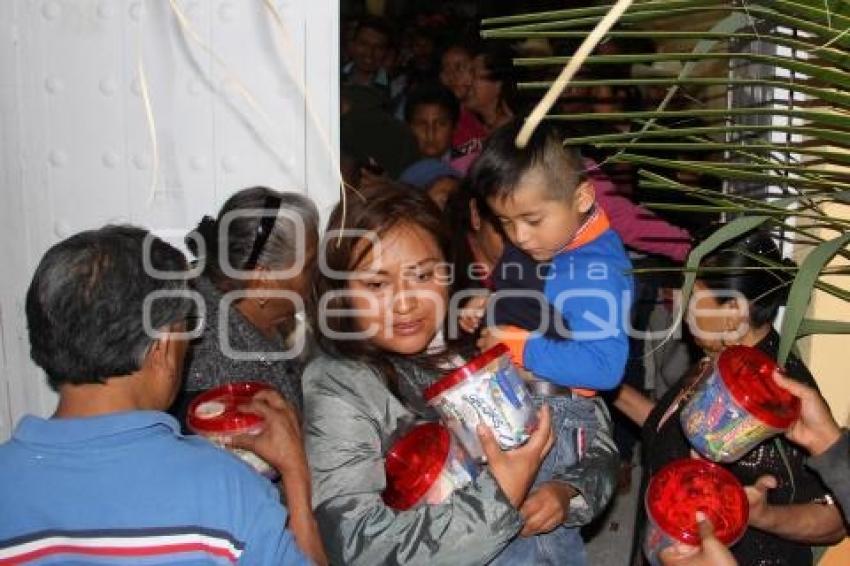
414, 463
215, 411
464, 371
686, 486
748, 375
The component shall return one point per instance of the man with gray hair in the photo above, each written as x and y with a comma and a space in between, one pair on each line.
109, 478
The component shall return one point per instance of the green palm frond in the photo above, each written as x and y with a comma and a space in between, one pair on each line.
798, 145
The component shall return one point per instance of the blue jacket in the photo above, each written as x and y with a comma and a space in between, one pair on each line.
576, 309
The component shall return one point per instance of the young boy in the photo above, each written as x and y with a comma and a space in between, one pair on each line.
432, 113
563, 295
568, 328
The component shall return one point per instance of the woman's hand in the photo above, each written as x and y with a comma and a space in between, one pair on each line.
711, 551
815, 430
757, 497
279, 442
546, 507
516, 469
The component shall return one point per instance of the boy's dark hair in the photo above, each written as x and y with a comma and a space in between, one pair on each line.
85, 303
377, 24
734, 267
501, 166
432, 93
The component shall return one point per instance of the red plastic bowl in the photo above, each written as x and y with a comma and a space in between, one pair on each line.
683, 487
216, 412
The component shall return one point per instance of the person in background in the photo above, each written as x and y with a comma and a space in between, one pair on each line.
492, 96
432, 113
374, 141
735, 302
456, 75
476, 243
436, 178
368, 49
109, 478
261, 234
829, 446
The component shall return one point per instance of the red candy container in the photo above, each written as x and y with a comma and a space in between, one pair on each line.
682, 488
424, 466
738, 406
214, 415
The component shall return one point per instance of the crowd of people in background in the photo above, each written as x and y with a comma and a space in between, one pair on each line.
429, 113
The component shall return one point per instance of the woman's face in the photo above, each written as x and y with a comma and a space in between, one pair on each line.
399, 291
456, 72
715, 324
484, 93
279, 310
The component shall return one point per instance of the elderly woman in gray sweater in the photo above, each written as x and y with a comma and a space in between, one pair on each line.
256, 261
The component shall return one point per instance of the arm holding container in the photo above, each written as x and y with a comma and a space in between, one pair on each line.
817, 432
592, 353
350, 415
281, 444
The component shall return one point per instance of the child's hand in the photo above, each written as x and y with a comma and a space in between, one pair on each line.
472, 313
546, 507
757, 497
514, 338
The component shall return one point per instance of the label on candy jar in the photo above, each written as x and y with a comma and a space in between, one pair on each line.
717, 427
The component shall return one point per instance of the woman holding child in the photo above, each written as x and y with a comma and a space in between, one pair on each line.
385, 300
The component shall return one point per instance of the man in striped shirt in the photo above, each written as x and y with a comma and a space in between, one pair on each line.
109, 479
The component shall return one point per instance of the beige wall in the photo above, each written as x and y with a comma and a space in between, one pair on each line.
828, 356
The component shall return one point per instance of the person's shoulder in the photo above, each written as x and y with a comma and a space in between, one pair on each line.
330, 371
207, 463
602, 259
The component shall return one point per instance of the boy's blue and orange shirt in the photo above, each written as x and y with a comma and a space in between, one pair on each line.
570, 314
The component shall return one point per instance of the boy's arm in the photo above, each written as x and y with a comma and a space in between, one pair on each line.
593, 349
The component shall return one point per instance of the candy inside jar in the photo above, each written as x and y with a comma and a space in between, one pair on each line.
680, 489
425, 466
214, 415
738, 406
486, 390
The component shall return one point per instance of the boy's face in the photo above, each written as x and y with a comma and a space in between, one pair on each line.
432, 127
537, 222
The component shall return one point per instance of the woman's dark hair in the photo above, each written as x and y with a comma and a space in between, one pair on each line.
735, 268
499, 62
435, 94
457, 222
376, 212
251, 239
95, 300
